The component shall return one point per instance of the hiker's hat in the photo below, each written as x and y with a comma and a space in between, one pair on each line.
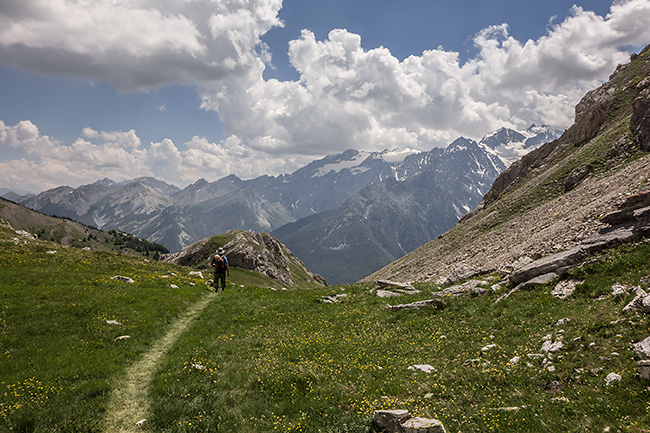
220, 251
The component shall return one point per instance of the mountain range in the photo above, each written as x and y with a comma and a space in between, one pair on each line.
344, 215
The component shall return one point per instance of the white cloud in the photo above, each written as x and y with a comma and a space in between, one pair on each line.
367, 99
135, 44
346, 96
119, 155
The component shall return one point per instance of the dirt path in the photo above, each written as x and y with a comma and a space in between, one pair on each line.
128, 403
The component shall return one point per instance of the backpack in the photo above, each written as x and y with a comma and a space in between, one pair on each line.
219, 263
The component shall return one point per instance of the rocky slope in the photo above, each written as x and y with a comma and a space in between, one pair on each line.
554, 197
253, 251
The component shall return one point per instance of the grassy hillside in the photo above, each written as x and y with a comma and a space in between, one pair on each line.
260, 360
71, 233
59, 357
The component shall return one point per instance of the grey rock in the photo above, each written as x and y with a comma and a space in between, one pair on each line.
609, 238
642, 349
429, 303
387, 294
123, 279
539, 281
553, 263
467, 289
551, 346
565, 288
551, 386
518, 264
426, 368
401, 421
576, 177
641, 302
422, 425
388, 420
333, 299
612, 378
462, 272
643, 369
393, 284
619, 289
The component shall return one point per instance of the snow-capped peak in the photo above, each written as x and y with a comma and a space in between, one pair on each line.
510, 145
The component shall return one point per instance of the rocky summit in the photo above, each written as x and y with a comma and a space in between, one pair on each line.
253, 251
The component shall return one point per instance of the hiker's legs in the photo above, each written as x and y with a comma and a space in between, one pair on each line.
220, 277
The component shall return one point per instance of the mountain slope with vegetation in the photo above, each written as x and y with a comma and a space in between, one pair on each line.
554, 197
71, 233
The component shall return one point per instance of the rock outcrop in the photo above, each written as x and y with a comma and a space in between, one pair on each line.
254, 251
640, 121
629, 222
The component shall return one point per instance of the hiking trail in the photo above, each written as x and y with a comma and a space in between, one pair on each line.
128, 403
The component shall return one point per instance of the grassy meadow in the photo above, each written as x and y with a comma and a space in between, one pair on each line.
261, 359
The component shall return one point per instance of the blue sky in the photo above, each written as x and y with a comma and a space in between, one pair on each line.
182, 90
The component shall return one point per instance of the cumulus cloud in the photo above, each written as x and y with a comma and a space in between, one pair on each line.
351, 97
136, 44
119, 155
346, 96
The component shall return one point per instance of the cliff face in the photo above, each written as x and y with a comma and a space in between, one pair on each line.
553, 198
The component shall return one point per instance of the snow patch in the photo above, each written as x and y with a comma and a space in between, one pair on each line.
342, 165
397, 156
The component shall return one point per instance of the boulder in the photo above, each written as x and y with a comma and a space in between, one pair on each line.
384, 284
388, 420
538, 281
565, 288
557, 263
641, 302
429, 303
395, 288
518, 264
468, 289
643, 369
123, 279
576, 177
401, 421
551, 346
426, 368
333, 299
642, 349
462, 272
387, 294
422, 425
609, 238
640, 121
612, 378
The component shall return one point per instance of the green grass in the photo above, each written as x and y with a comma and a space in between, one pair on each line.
58, 354
261, 360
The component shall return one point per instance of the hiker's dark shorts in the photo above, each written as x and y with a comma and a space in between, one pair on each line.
220, 276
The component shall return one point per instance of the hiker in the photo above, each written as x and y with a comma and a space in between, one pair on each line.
220, 263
